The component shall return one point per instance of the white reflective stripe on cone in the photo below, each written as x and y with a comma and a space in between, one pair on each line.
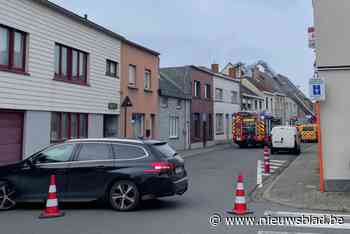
52, 189
240, 186
51, 203
240, 200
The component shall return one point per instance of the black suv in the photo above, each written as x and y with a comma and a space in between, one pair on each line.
119, 171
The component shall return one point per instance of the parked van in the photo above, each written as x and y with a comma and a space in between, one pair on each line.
285, 138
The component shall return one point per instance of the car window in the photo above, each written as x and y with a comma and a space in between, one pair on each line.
60, 153
128, 152
94, 151
165, 149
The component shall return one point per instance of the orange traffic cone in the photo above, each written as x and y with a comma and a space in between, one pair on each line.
266, 160
51, 210
240, 206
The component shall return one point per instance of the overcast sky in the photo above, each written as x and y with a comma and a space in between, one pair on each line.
201, 32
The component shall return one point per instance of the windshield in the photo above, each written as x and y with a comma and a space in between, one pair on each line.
308, 128
165, 149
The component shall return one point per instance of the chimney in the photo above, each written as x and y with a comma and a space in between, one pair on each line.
232, 72
215, 67
86, 17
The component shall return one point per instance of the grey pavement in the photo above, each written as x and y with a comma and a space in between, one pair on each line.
212, 186
298, 186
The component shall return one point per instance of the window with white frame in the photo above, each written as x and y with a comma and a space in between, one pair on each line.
219, 124
179, 104
207, 93
147, 80
132, 75
197, 88
219, 94
234, 97
174, 127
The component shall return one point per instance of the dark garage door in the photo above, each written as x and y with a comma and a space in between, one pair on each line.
11, 127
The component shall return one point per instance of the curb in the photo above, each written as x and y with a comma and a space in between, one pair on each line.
263, 194
206, 150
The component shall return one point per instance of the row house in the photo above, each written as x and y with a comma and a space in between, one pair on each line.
198, 83
174, 114
226, 102
277, 101
61, 77
139, 87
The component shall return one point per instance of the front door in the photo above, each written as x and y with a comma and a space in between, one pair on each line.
35, 180
88, 173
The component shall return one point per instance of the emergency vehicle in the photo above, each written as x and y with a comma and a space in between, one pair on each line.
308, 133
251, 129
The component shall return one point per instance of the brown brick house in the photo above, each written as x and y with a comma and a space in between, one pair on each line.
198, 83
139, 82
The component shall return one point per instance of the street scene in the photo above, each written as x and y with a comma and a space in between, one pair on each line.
174, 117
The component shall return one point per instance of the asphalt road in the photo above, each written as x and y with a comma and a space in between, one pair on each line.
212, 186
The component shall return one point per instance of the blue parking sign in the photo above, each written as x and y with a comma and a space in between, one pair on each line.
317, 89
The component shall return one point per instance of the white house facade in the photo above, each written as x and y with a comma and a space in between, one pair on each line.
227, 102
59, 77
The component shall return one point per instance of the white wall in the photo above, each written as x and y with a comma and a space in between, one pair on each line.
226, 106
39, 91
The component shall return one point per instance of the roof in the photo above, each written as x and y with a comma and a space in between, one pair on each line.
246, 91
169, 88
181, 76
294, 93
221, 75
265, 82
91, 24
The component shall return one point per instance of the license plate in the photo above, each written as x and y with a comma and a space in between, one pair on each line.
178, 170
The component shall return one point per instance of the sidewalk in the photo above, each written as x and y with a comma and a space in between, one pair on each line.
298, 186
194, 152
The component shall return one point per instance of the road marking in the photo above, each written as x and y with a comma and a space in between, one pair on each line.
294, 214
271, 232
280, 161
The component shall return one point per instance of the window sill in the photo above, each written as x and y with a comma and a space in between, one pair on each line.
70, 82
173, 138
148, 91
132, 87
109, 75
14, 71
219, 133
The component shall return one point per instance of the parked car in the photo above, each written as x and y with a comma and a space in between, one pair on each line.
119, 171
285, 138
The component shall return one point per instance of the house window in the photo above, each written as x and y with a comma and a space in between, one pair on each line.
12, 49
207, 93
219, 94
132, 75
138, 121
68, 125
256, 104
179, 104
70, 64
234, 97
197, 124
164, 102
197, 88
260, 105
267, 104
147, 80
110, 125
112, 68
219, 124
174, 127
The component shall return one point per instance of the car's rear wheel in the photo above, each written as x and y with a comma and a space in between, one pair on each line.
124, 196
7, 197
